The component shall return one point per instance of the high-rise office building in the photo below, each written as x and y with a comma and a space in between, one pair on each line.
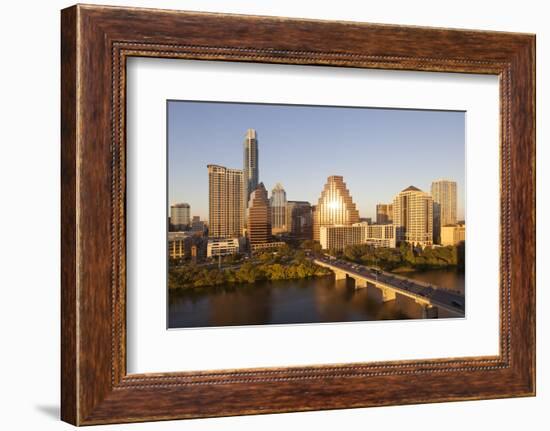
335, 206
225, 202
250, 165
180, 216
444, 198
259, 216
278, 209
413, 216
384, 213
299, 219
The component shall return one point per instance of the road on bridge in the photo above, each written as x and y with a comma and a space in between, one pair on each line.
442, 296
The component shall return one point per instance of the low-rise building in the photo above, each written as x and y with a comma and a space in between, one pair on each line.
254, 248
179, 244
337, 237
453, 234
183, 245
380, 235
222, 247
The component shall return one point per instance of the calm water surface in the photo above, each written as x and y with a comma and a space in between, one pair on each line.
315, 300
444, 278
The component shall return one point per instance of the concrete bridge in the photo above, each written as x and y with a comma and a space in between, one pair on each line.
432, 301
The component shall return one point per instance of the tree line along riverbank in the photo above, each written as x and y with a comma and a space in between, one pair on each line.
287, 263
284, 264
405, 258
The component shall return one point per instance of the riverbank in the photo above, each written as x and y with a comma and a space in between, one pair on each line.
405, 259
403, 270
191, 276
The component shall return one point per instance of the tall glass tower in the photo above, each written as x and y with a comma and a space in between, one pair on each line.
225, 191
444, 200
250, 165
278, 209
413, 216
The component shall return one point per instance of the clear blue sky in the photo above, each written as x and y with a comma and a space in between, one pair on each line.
379, 152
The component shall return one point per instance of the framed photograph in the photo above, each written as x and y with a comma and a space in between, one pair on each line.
320, 243
263, 214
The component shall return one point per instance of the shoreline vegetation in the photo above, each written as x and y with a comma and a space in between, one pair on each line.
283, 264
288, 263
404, 258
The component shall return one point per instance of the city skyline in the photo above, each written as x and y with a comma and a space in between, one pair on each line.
374, 175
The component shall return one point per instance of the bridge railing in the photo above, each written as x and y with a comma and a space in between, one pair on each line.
398, 277
336, 267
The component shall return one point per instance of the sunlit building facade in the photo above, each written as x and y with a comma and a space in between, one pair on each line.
380, 235
444, 199
278, 209
335, 206
225, 202
338, 237
222, 247
413, 216
453, 234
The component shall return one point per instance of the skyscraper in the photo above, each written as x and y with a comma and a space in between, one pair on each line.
250, 165
180, 216
384, 213
444, 198
299, 219
335, 206
259, 216
413, 216
278, 209
225, 202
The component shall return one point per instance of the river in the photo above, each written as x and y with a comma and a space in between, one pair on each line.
314, 300
445, 278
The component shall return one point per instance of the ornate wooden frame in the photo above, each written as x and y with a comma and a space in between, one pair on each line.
95, 43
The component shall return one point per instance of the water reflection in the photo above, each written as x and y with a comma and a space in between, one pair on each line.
279, 302
445, 278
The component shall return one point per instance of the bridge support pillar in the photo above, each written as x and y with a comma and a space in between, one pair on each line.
429, 311
339, 275
360, 283
387, 294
